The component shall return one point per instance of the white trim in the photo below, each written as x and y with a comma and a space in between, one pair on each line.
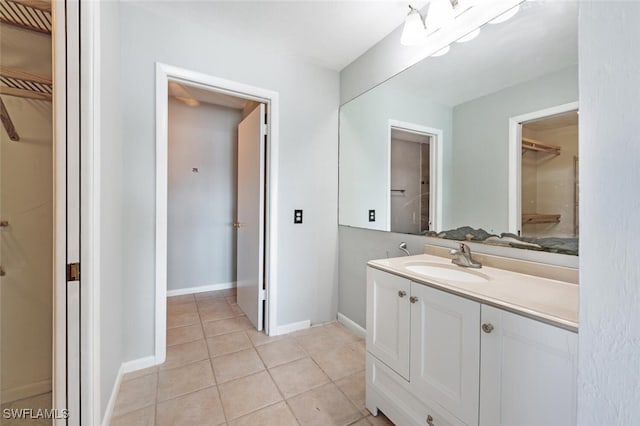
125, 367
201, 289
90, 209
108, 413
515, 157
435, 147
25, 391
59, 368
138, 364
290, 328
352, 325
165, 73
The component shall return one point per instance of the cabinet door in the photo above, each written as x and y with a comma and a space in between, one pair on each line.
388, 319
528, 371
445, 350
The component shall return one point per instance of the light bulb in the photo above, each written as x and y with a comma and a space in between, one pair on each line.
506, 15
440, 15
413, 31
473, 34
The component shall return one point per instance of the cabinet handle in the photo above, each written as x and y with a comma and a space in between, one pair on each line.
487, 328
430, 420
413, 299
402, 293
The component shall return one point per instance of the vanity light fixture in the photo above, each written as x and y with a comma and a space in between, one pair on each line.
414, 30
439, 15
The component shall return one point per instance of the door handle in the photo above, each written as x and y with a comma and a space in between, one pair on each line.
4, 223
238, 225
2, 272
402, 293
487, 328
430, 420
413, 299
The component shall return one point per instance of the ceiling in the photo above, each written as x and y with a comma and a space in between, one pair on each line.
329, 33
540, 39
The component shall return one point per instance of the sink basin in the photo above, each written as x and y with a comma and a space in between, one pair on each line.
445, 272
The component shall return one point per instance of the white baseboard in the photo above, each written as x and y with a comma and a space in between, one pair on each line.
352, 325
290, 328
26, 391
125, 367
201, 289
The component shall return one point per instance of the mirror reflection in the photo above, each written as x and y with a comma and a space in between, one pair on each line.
448, 142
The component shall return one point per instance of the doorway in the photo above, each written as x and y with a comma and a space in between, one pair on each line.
26, 218
245, 246
415, 178
543, 173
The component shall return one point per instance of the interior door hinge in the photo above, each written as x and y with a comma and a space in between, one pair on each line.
262, 294
73, 272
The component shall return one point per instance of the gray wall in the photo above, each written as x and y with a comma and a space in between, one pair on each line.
357, 247
480, 182
112, 312
364, 150
309, 97
201, 206
609, 339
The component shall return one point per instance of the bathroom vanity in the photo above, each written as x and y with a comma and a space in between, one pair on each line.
454, 346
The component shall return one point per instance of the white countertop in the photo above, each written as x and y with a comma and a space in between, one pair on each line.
550, 301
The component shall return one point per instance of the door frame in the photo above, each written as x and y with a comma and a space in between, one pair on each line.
515, 158
76, 141
435, 172
164, 74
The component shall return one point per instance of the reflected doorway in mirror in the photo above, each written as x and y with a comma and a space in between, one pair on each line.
414, 196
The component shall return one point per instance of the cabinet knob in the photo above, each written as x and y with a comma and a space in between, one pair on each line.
413, 299
402, 293
487, 328
430, 420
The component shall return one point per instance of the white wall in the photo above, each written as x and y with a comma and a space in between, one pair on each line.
201, 205
307, 273
609, 338
480, 184
113, 291
26, 173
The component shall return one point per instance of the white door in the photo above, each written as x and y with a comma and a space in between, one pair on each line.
252, 133
445, 346
388, 319
528, 371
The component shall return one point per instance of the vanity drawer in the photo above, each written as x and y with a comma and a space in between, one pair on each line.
389, 392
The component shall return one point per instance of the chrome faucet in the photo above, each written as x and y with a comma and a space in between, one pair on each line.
462, 257
403, 247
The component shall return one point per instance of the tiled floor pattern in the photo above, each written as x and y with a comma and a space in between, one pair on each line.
221, 371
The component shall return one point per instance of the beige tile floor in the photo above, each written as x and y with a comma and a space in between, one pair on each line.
221, 371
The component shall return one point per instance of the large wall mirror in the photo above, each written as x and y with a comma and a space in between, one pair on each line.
483, 137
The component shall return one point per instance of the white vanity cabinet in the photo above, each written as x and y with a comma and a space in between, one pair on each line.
388, 319
437, 359
528, 371
430, 339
